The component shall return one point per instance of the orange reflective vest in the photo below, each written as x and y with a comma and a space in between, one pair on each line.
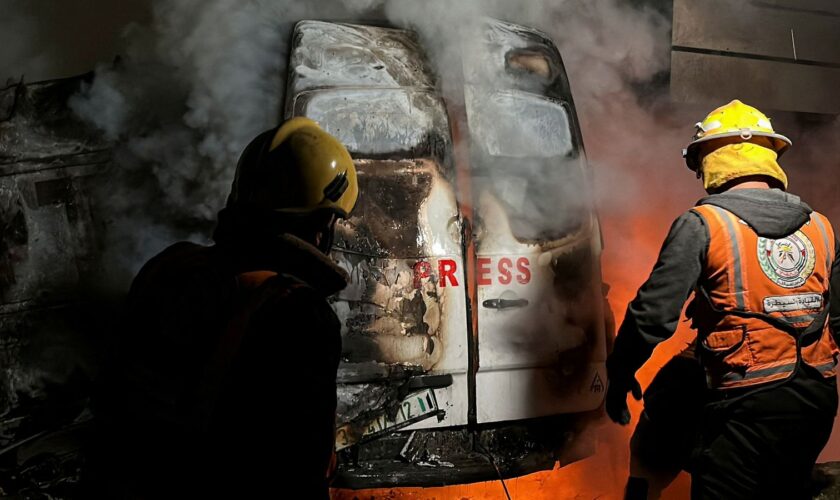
766, 301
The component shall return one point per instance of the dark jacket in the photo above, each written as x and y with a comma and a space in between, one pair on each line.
221, 385
653, 315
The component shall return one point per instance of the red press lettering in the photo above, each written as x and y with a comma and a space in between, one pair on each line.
522, 265
422, 269
504, 271
447, 268
483, 264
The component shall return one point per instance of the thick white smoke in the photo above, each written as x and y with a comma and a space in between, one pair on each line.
206, 76
613, 52
607, 45
191, 90
194, 88
203, 77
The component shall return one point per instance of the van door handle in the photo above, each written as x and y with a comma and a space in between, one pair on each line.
504, 303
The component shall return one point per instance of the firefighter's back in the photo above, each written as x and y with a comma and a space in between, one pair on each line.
207, 350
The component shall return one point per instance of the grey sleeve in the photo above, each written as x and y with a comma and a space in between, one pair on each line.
653, 315
834, 292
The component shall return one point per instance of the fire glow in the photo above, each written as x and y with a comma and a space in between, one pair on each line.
603, 474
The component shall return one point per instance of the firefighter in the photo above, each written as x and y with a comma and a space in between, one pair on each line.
759, 262
225, 379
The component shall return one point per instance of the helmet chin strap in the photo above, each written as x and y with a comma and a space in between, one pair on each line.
325, 242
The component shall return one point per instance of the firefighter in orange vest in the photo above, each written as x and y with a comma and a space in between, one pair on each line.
759, 262
224, 384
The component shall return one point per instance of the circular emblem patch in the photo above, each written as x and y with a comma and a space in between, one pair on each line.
788, 261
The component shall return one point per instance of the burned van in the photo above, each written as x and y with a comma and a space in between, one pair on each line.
49, 161
473, 327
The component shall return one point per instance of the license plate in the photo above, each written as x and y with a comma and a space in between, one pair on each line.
414, 408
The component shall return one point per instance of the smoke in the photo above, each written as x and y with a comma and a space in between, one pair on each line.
204, 77
198, 79
811, 164
615, 54
188, 95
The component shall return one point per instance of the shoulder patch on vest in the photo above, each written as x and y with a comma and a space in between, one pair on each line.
788, 261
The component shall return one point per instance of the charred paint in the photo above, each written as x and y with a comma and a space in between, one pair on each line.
439, 286
394, 312
48, 247
14, 235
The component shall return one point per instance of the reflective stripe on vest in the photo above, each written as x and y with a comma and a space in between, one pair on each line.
825, 368
737, 280
828, 246
762, 295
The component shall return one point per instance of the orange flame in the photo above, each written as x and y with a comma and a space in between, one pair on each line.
604, 474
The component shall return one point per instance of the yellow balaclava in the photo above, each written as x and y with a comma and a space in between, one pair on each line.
740, 160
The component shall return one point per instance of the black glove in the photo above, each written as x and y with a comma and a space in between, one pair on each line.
617, 399
620, 383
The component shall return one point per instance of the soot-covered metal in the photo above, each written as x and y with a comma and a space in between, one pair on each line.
408, 362
48, 253
444, 366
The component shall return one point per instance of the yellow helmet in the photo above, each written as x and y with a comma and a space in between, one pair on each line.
732, 123
296, 168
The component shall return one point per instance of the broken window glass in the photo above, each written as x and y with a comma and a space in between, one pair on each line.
544, 199
342, 55
526, 160
518, 124
532, 62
